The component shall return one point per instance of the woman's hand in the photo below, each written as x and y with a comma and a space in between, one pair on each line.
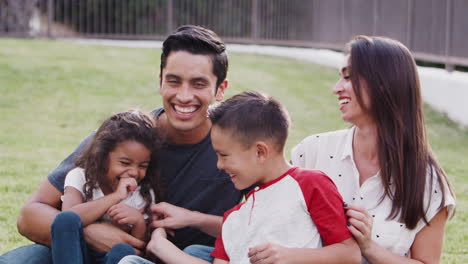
360, 225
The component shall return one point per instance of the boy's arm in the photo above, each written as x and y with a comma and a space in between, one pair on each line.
343, 252
169, 253
174, 217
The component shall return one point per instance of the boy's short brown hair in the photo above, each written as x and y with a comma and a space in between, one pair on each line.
252, 116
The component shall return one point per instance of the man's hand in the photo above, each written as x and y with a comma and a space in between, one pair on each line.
268, 254
101, 237
169, 216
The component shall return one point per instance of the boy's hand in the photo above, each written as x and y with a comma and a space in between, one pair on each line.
124, 214
269, 254
126, 186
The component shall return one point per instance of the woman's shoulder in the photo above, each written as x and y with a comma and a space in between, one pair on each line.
327, 137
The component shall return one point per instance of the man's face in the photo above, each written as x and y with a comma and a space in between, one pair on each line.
188, 87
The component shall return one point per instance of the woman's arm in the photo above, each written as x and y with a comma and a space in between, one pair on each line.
426, 248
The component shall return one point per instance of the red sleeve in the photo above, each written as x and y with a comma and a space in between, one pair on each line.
219, 252
325, 205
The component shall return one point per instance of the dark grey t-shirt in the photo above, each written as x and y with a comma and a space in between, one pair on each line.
194, 182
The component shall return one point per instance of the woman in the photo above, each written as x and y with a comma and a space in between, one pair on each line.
397, 196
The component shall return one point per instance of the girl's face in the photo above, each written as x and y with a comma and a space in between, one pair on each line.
128, 159
350, 108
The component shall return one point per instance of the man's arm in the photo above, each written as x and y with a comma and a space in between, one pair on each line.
174, 217
39, 212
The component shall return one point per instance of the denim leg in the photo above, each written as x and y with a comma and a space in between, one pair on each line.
31, 254
68, 244
200, 251
119, 251
134, 260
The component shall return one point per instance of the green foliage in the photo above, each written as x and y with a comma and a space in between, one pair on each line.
53, 93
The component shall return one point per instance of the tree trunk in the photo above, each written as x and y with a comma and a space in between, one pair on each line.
15, 16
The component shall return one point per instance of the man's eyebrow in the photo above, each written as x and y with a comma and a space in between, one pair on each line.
196, 79
171, 75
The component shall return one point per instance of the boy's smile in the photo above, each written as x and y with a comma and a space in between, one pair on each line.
237, 160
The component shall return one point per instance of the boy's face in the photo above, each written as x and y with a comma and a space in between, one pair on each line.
188, 87
234, 158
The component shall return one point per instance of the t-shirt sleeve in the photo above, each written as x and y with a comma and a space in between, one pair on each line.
433, 199
325, 206
220, 252
76, 179
57, 176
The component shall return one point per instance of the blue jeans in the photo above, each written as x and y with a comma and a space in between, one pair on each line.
199, 251
69, 245
31, 254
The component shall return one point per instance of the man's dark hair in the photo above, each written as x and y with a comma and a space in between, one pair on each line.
200, 41
252, 116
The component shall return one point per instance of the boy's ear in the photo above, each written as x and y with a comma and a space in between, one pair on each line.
262, 150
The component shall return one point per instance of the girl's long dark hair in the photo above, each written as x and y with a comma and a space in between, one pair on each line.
405, 157
131, 125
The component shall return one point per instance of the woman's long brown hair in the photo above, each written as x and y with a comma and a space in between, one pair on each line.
405, 157
131, 125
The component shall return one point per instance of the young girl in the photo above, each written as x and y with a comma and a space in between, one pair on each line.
114, 181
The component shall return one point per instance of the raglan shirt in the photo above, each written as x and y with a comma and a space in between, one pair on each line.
332, 152
300, 209
193, 182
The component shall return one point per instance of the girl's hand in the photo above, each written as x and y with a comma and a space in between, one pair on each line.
124, 214
268, 254
126, 186
159, 233
360, 225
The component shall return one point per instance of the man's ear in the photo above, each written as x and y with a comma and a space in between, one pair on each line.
262, 150
221, 89
160, 82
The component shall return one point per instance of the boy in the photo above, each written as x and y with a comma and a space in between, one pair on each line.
291, 213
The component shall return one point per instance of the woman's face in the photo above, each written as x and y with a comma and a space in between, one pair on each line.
350, 108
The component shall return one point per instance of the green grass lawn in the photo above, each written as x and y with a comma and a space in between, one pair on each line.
53, 93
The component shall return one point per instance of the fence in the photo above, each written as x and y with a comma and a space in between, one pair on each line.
435, 30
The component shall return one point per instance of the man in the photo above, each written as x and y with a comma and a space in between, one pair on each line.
192, 76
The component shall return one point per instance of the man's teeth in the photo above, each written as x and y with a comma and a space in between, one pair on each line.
189, 109
231, 175
344, 101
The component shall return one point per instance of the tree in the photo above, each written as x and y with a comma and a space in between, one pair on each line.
15, 15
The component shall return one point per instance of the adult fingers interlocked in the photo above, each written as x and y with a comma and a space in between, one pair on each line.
169, 216
360, 225
268, 253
